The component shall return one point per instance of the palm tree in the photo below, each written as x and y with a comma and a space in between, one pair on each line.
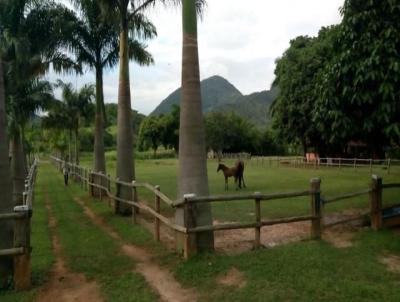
33, 31
128, 11
96, 45
192, 147
71, 112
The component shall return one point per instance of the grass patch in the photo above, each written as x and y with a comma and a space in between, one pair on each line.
90, 251
304, 271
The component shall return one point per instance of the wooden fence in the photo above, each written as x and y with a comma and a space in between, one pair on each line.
301, 162
21, 249
91, 180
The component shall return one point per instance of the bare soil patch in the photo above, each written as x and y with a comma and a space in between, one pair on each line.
392, 262
233, 277
242, 240
63, 285
160, 279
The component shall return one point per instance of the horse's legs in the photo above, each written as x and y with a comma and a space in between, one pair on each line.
226, 183
242, 178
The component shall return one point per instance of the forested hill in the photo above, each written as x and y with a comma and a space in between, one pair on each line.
218, 94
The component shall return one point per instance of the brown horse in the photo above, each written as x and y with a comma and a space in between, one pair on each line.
236, 172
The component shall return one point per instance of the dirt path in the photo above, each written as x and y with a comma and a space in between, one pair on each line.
65, 286
160, 279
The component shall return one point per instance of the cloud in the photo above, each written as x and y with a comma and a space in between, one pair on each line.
238, 40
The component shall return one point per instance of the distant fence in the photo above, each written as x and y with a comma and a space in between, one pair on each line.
91, 180
21, 249
301, 162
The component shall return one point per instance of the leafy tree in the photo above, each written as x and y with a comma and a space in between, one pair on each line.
361, 87
150, 133
96, 44
170, 129
228, 132
297, 73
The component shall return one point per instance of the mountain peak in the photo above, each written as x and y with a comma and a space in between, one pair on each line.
215, 91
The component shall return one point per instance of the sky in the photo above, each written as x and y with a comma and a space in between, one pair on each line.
239, 40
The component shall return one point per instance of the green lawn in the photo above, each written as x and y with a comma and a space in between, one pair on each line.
303, 271
265, 179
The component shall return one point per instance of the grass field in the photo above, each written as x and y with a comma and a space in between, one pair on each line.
303, 271
263, 179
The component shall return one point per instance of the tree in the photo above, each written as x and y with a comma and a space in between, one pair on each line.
127, 11
192, 176
297, 73
24, 99
96, 45
71, 112
359, 91
228, 132
150, 133
170, 129
33, 30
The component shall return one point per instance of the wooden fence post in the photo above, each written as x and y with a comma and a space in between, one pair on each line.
117, 194
190, 244
90, 183
388, 166
316, 208
370, 165
376, 202
257, 229
156, 220
134, 213
100, 184
22, 263
109, 189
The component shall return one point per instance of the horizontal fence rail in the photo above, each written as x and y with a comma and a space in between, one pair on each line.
303, 162
22, 233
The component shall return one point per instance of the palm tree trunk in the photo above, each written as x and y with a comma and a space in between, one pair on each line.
6, 202
17, 168
125, 162
99, 157
193, 176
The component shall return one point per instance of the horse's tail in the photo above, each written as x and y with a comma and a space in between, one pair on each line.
240, 167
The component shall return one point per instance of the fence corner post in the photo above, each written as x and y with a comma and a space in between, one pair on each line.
316, 229
156, 220
22, 262
190, 243
376, 202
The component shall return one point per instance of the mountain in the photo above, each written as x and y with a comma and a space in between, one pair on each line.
253, 107
219, 95
215, 91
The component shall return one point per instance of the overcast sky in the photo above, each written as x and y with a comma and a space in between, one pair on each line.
238, 40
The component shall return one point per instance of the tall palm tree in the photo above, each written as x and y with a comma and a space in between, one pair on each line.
128, 11
192, 147
96, 45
